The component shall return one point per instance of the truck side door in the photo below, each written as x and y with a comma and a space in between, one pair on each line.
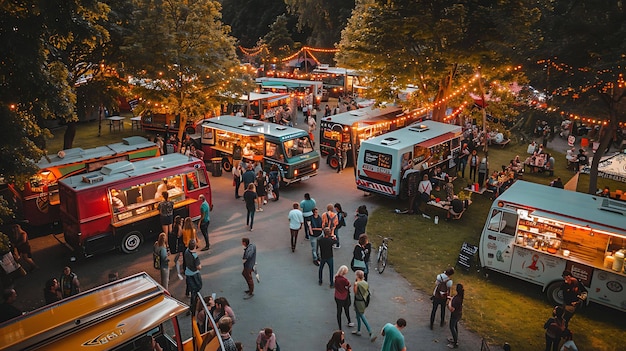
498, 238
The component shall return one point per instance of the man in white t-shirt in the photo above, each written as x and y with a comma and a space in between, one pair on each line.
296, 220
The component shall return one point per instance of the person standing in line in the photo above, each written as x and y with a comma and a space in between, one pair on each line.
52, 291
69, 283
307, 205
296, 220
341, 157
266, 340
261, 182
225, 326
473, 163
237, 172
393, 338
483, 169
316, 232
222, 308
342, 295
237, 154
424, 188
160, 251
249, 196
177, 246
166, 213
326, 255
448, 187
192, 265
7, 310
463, 156
275, 178
312, 128
361, 252
189, 233
21, 244
248, 176
330, 220
554, 326
360, 222
249, 260
361, 295
341, 221
443, 285
455, 305
205, 220
574, 295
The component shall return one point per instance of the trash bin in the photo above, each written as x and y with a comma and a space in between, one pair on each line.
216, 166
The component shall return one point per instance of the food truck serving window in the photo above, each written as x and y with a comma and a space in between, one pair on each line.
503, 222
142, 198
299, 146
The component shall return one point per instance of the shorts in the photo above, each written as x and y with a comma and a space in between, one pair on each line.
167, 220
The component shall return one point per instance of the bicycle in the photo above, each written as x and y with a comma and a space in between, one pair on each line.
381, 257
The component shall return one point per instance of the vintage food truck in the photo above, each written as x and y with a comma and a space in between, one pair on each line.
40, 197
306, 91
535, 232
350, 128
272, 144
387, 163
126, 314
116, 207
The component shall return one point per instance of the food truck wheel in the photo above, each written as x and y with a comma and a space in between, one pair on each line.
226, 165
333, 162
555, 295
131, 242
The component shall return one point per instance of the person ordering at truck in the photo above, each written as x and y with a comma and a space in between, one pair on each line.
574, 295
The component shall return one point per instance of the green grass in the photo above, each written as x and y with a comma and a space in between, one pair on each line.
500, 308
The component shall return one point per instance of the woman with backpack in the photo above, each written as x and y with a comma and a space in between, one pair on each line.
443, 284
341, 221
361, 302
554, 326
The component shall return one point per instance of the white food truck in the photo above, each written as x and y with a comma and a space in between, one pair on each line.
535, 232
389, 162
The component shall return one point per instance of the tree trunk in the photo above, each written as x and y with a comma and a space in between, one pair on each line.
68, 137
439, 111
605, 140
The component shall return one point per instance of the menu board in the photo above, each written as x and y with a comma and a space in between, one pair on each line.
378, 159
466, 256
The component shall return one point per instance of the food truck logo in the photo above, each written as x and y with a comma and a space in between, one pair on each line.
43, 202
534, 265
107, 336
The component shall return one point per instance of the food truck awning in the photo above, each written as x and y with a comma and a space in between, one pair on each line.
437, 140
575, 221
234, 130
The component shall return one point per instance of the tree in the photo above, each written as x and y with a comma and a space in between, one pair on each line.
250, 19
432, 44
278, 40
581, 63
325, 18
185, 57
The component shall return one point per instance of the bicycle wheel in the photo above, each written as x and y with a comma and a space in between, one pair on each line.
382, 260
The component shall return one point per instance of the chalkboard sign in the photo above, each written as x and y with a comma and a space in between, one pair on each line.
466, 256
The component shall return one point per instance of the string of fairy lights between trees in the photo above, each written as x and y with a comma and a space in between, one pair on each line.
308, 51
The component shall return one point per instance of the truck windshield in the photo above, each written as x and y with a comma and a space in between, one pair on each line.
299, 146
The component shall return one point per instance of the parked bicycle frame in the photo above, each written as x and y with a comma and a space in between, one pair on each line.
381, 257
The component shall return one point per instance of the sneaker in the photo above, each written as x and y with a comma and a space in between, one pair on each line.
351, 324
337, 247
373, 338
251, 229
206, 248
450, 340
180, 277
264, 202
453, 345
317, 263
261, 210
425, 216
320, 283
248, 296
306, 238
356, 332
258, 209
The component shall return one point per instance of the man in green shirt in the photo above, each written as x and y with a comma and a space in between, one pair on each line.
393, 338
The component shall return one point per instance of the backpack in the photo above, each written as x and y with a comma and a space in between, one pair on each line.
441, 290
341, 220
274, 176
367, 299
331, 222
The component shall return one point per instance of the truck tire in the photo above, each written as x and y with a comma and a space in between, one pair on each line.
554, 293
333, 161
131, 242
226, 165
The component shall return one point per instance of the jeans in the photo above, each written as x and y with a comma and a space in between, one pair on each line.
314, 246
337, 235
454, 327
462, 165
361, 317
294, 238
237, 184
472, 173
342, 305
250, 218
552, 344
331, 269
438, 303
247, 275
204, 228
307, 223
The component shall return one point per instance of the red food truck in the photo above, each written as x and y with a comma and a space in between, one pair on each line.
116, 207
39, 201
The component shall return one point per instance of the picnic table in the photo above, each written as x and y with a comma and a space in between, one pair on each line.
445, 205
116, 122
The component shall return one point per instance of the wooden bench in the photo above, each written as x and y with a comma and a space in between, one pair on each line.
446, 206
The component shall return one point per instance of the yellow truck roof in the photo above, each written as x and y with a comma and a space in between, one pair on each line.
98, 319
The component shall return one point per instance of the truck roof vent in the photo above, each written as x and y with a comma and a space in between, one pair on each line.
281, 128
94, 178
390, 141
418, 128
117, 167
252, 123
614, 206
